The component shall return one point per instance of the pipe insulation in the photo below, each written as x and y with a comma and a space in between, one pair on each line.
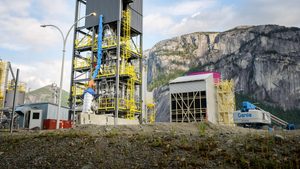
100, 39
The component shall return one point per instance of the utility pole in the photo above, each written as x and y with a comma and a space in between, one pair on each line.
14, 102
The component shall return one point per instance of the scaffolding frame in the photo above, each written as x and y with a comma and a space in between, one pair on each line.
119, 82
188, 107
3, 79
226, 102
151, 114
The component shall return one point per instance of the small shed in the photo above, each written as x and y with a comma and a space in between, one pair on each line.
193, 99
47, 111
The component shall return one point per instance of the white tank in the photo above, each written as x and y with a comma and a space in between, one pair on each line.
87, 103
20, 98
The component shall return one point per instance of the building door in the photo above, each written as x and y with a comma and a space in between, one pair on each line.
35, 119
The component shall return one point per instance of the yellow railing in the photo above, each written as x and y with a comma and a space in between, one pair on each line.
108, 71
126, 50
78, 90
21, 86
81, 63
125, 69
124, 104
109, 42
83, 42
109, 104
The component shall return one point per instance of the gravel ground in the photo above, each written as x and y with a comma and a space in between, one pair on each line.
151, 146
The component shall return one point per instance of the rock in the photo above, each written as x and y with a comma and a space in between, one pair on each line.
1, 153
161, 96
229, 141
36, 128
88, 166
263, 61
107, 129
278, 138
228, 133
239, 145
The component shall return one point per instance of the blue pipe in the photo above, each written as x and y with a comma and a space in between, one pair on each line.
100, 39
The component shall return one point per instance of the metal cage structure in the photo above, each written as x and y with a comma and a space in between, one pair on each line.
119, 81
192, 99
189, 107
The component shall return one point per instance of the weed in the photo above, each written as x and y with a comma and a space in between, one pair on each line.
244, 162
202, 128
112, 133
157, 142
185, 145
173, 132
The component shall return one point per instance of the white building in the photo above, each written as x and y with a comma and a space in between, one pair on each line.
193, 99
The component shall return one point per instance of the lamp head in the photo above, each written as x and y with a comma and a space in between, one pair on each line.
93, 14
43, 26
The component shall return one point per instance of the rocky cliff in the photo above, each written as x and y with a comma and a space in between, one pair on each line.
264, 61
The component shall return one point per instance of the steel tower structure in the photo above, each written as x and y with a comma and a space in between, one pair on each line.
112, 43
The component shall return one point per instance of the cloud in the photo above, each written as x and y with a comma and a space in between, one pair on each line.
204, 21
25, 34
157, 23
63, 10
162, 19
189, 7
39, 74
15, 7
270, 11
184, 17
20, 22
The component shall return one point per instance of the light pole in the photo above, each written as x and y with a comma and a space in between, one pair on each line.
63, 61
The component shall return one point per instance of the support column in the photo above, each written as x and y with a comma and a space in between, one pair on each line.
118, 65
142, 103
71, 105
14, 102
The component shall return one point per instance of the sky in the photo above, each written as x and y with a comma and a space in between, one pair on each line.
37, 52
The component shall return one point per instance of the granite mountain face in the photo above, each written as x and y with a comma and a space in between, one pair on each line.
264, 61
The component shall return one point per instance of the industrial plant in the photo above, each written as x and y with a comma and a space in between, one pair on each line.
112, 42
107, 84
12, 93
149, 84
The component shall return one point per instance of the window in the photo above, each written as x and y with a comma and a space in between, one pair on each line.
36, 116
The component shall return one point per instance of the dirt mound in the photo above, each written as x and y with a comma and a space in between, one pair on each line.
150, 146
